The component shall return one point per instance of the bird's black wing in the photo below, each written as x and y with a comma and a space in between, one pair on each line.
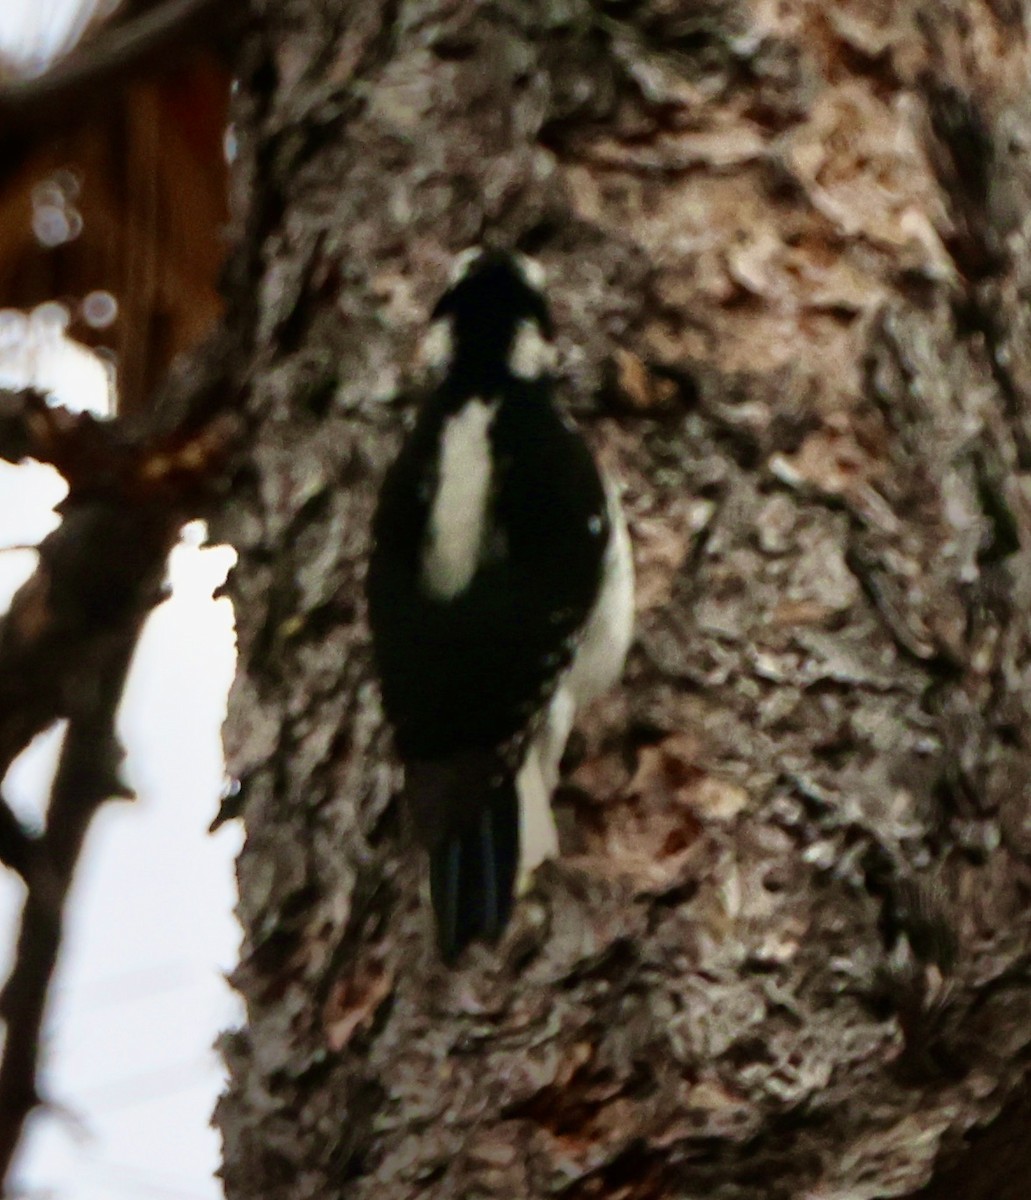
470, 672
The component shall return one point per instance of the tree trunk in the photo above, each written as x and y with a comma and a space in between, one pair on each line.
785, 952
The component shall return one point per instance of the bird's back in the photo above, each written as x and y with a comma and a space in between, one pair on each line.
494, 563
464, 671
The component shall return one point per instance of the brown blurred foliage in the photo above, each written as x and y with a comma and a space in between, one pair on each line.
131, 192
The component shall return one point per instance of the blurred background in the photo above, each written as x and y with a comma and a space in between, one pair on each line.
130, 1075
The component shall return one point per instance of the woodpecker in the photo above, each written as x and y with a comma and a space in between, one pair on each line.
500, 596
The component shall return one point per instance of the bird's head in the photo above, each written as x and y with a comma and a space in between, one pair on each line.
493, 318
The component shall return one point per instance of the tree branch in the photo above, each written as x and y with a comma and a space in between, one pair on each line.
65, 647
17, 847
85, 778
172, 465
126, 501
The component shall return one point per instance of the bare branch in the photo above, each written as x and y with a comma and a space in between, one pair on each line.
99, 458
85, 778
128, 495
17, 847
83, 594
65, 647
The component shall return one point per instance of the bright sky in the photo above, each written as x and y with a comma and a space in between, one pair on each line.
140, 998
31, 33
129, 1068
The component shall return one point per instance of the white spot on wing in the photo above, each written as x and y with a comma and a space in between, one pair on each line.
458, 516
531, 353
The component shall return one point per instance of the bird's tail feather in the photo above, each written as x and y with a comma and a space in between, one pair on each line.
473, 872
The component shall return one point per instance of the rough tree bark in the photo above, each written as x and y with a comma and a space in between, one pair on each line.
786, 950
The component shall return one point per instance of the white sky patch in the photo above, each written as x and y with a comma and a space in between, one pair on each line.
33, 34
34, 350
139, 995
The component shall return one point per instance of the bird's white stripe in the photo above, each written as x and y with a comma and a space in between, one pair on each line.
597, 663
458, 516
538, 834
608, 631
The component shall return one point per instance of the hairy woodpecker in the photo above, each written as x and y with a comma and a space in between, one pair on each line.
500, 591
